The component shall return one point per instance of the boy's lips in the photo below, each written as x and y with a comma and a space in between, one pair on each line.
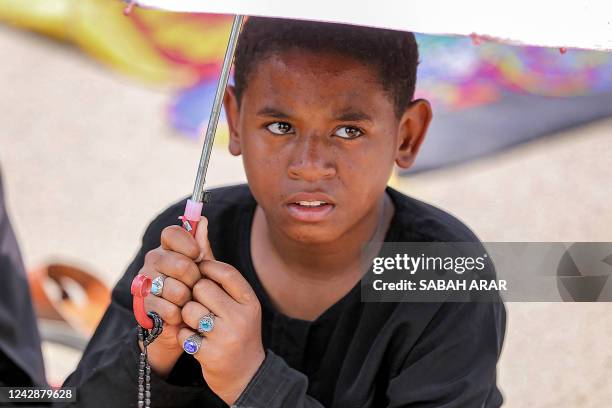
309, 207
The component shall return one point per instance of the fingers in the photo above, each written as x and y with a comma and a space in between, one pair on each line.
211, 295
181, 274
168, 311
201, 238
184, 333
229, 279
193, 312
178, 266
176, 239
176, 292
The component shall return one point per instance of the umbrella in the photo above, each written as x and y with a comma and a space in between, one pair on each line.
576, 24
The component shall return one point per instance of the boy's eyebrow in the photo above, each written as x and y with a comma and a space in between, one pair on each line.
352, 115
273, 112
345, 115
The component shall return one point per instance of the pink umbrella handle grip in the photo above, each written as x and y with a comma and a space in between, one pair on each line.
191, 217
141, 285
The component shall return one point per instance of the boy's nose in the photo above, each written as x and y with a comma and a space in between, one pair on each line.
310, 159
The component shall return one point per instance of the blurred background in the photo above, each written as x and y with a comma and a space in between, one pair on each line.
100, 130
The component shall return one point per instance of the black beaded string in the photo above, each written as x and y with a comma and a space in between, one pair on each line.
144, 369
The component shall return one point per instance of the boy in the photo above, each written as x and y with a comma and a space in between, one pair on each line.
320, 113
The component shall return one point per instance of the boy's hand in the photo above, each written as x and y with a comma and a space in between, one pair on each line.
232, 351
176, 258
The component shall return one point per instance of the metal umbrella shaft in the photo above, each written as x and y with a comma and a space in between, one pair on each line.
193, 209
198, 188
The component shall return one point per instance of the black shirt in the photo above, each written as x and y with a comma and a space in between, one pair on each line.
354, 355
21, 361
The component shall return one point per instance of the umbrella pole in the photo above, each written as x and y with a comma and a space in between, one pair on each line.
141, 284
193, 209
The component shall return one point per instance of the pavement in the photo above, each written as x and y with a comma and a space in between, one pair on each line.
89, 159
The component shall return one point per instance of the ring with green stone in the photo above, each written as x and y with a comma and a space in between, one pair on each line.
206, 323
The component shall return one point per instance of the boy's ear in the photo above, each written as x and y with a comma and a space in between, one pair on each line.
411, 131
230, 103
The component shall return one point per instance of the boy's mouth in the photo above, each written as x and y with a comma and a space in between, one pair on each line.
310, 203
307, 207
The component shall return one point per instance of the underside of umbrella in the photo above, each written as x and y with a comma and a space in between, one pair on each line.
583, 24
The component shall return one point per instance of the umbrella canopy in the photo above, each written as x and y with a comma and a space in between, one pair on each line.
550, 23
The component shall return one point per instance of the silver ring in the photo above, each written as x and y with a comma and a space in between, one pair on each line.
192, 344
157, 286
206, 323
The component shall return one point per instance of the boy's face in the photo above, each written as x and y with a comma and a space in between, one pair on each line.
319, 137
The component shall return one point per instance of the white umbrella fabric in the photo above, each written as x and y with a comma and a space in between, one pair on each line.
583, 24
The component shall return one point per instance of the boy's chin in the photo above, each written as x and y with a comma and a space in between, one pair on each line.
312, 234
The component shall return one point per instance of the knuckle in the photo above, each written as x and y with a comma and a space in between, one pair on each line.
151, 257
177, 294
228, 272
174, 315
169, 313
201, 286
187, 309
184, 312
254, 308
171, 229
183, 296
194, 250
167, 233
170, 234
182, 267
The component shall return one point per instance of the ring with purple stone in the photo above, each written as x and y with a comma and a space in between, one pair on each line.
192, 344
157, 285
206, 323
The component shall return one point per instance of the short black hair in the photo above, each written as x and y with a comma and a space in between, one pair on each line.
394, 54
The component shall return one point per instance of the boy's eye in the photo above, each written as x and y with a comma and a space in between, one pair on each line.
348, 132
280, 128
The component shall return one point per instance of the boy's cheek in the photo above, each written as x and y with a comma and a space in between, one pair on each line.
261, 161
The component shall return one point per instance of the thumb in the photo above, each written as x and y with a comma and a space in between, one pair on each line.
201, 238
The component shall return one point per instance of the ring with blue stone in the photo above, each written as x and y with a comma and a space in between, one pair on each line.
206, 323
157, 285
192, 344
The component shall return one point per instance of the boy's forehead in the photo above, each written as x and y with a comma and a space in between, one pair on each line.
299, 74
315, 63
